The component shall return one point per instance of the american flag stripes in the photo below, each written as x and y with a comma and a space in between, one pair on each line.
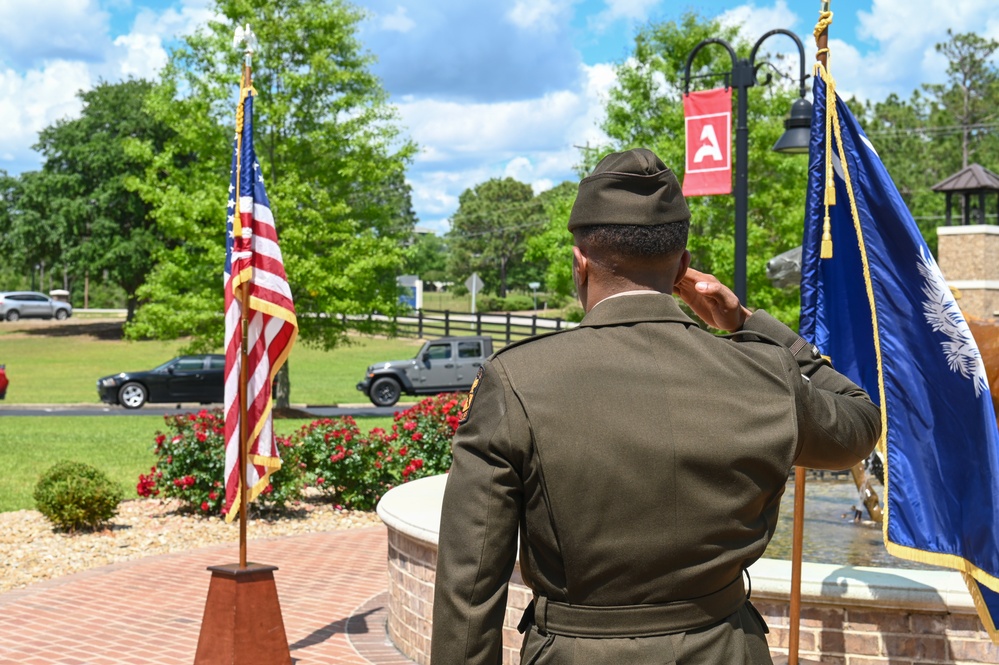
254, 271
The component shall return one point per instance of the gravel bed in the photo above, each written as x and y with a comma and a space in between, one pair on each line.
31, 551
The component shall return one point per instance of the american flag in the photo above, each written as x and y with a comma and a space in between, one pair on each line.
252, 261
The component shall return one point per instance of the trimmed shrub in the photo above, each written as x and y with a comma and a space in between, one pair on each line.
190, 466
73, 495
518, 303
574, 313
486, 302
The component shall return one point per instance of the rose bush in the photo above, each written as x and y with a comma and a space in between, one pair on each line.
356, 470
332, 454
190, 465
427, 429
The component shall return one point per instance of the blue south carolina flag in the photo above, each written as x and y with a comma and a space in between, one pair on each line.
881, 310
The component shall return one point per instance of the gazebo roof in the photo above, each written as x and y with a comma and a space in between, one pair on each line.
972, 178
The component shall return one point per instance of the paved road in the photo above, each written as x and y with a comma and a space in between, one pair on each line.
355, 410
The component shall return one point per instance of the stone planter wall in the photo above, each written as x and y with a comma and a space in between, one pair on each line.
967, 259
850, 615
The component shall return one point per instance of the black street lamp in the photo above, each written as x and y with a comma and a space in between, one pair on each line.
795, 138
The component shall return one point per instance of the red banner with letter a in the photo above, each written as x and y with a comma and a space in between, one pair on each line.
708, 126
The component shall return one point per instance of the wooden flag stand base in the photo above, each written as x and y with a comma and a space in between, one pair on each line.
783, 660
242, 623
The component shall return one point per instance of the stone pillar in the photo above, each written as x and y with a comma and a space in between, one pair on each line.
969, 259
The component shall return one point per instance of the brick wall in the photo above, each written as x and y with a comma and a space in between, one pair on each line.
835, 631
967, 256
853, 635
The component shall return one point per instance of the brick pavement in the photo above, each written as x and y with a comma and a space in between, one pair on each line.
332, 588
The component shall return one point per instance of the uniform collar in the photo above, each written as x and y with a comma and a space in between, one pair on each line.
635, 308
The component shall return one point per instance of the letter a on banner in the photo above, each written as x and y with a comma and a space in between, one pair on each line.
708, 125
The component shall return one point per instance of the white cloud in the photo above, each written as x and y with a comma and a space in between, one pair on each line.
31, 101
904, 34
52, 49
474, 51
398, 21
753, 22
41, 30
534, 141
140, 55
537, 14
622, 10
174, 23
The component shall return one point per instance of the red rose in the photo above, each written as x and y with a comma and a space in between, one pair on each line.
204, 506
417, 436
409, 425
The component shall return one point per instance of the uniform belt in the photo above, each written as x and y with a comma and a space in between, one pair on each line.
608, 621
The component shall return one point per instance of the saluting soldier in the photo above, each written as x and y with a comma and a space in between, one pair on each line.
640, 459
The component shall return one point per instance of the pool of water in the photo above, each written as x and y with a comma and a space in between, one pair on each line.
831, 535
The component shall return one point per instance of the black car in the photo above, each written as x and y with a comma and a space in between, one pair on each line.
199, 378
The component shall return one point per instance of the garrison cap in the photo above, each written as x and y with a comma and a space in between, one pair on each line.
630, 187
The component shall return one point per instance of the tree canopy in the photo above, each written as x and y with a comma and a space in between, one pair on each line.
78, 211
489, 233
332, 157
940, 129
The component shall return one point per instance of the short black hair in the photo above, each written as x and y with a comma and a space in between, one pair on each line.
632, 240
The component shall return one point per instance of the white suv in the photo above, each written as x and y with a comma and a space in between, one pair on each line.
17, 304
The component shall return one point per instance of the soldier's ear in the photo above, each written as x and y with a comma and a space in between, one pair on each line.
580, 266
682, 267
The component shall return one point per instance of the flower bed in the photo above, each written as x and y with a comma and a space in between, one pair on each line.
351, 468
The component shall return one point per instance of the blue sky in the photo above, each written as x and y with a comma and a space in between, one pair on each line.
485, 88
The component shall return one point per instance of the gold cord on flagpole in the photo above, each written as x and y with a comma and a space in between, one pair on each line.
821, 33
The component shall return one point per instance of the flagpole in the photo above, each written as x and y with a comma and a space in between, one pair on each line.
243, 435
243, 364
242, 621
798, 530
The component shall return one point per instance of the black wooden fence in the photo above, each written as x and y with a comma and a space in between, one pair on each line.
504, 328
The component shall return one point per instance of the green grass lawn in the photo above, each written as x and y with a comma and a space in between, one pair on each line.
63, 369
121, 446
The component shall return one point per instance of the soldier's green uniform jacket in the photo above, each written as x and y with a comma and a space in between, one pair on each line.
641, 460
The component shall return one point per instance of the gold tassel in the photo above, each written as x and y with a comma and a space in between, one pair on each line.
830, 193
826, 252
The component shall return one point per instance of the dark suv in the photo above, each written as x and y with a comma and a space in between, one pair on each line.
15, 305
448, 364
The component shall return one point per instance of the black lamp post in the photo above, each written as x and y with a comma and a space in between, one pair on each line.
794, 140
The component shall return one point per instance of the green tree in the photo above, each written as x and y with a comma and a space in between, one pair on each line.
552, 247
77, 211
426, 257
969, 98
332, 158
489, 233
896, 128
645, 110
940, 129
